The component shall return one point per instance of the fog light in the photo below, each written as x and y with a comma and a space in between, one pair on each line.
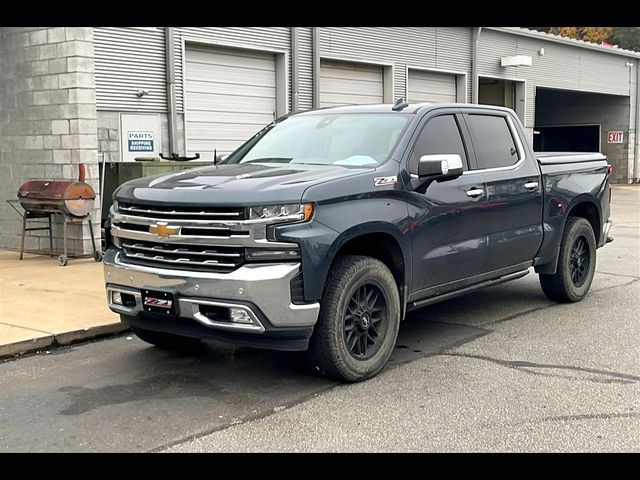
239, 315
116, 298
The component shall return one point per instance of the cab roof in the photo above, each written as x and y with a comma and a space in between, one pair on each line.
412, 108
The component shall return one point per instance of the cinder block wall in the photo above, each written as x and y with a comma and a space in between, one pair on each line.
47, 122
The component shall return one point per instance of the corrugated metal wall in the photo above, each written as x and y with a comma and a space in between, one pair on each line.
439, 48
561, 66
305, 68
278, 38
128, 59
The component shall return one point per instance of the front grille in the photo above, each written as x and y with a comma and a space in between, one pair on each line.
183, 213
214, 259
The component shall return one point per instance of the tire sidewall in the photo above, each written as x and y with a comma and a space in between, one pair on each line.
361, 369
579, 228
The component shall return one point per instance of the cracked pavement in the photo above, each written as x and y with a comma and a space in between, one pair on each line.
504, 369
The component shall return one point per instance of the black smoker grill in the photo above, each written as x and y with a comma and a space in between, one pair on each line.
69, 198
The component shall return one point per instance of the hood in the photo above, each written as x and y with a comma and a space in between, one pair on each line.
234, 184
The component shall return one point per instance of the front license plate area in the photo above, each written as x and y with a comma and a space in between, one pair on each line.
154, 301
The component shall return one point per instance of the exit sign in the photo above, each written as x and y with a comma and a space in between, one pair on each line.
615, 137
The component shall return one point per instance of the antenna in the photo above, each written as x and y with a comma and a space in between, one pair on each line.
400, 105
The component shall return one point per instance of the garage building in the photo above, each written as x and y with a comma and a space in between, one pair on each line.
77, 94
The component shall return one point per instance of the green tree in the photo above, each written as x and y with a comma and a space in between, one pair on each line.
626, 37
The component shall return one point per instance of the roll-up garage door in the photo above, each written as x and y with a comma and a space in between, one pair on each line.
230, 95
431, 87
343, 83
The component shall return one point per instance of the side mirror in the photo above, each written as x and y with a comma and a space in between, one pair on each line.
440, 167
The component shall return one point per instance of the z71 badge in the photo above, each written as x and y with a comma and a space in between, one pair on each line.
380, 181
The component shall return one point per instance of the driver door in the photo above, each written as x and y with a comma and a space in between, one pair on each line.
449, 240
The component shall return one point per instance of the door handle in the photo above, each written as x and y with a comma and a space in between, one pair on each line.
531, 185
475, 192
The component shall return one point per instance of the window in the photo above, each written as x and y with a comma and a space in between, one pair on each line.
440, 135
493, 142
355, 139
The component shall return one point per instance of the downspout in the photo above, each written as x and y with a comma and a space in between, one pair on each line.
316, 66
474, 64
636, 148
170, 61
295, 69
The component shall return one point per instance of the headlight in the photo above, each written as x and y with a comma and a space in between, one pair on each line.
282, 213
115, 205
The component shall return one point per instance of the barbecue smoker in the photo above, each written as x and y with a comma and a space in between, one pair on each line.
71, 199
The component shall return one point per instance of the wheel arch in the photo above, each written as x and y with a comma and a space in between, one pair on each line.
377, 240
584, 206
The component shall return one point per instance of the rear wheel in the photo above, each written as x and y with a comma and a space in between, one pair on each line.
167, 341
359, 320
576, 263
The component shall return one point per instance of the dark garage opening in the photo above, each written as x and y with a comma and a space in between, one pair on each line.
574, 138
568, 120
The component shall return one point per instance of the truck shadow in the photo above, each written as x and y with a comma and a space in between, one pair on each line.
254, 379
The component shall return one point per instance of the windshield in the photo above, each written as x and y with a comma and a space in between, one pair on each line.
330, 139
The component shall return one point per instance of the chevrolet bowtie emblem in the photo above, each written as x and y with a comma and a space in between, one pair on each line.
162, 230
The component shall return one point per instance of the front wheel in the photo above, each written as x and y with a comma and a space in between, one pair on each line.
359, 320
576, 263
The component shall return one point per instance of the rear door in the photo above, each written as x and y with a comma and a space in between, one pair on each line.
513, 213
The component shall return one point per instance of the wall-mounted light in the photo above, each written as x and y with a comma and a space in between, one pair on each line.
516, 61
629, 64
541, 52
141, 93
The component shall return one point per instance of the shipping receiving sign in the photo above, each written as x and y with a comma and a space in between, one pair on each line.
140, 141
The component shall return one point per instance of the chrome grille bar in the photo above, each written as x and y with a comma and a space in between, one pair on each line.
159, 213
177, 251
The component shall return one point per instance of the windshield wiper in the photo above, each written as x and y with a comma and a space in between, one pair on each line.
270, 160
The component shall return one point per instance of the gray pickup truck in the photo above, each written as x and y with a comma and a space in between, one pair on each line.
322, 230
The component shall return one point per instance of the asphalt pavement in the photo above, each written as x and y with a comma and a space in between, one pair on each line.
500, 370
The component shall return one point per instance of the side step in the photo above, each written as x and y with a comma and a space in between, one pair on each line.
457, 293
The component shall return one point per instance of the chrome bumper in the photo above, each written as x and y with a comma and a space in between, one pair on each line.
265, 286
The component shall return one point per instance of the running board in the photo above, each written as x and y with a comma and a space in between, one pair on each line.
457, 293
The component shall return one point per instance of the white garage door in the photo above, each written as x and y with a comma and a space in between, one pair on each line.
230, 95
431, 87
343, 83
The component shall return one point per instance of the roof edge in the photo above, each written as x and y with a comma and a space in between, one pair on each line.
550, 37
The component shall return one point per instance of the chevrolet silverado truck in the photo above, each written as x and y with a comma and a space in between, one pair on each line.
326, 227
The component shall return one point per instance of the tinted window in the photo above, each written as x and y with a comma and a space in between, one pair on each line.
440, 135
492, 141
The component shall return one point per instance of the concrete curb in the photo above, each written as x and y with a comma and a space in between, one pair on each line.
61, 339
25, 346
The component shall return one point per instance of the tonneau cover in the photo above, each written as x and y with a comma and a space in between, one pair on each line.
559, 158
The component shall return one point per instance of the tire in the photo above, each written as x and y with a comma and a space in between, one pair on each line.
63, 260
168, 341
360, 301
97, 255
575, 271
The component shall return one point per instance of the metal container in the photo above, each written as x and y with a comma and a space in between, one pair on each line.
74, 198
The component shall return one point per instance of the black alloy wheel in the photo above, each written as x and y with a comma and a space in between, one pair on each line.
580, 258
365, 321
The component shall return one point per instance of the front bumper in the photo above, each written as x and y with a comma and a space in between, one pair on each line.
262, 291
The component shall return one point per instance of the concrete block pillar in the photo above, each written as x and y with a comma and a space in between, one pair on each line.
47, 121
